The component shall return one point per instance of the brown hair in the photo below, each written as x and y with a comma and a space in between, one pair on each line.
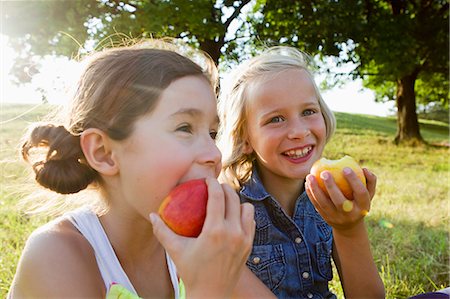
117, 87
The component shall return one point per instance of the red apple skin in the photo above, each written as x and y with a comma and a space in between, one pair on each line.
335, 167
184, 209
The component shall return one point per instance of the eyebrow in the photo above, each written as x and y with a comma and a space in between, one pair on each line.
192, 112
308, 103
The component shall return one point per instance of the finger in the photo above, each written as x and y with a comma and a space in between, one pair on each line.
336, 196
355, 183
319, 199
360, 192
248, 221
371, 180
215, 208
168, 239
232, 205
308, 188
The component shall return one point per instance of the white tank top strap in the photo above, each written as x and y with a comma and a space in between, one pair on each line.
173, 276
90, 227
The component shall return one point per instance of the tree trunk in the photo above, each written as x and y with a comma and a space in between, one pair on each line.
407, 122
212, 48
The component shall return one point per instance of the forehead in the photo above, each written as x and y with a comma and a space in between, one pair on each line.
283, 86
187, 93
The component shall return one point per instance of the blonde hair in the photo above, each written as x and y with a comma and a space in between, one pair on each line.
237, 165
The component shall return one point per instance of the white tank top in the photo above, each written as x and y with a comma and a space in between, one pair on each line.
90, 227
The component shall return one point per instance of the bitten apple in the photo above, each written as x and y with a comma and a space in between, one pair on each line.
184, 209
335, 167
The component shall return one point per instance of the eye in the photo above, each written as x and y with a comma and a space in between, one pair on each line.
276, 119
187, 128
213, 135
308, 112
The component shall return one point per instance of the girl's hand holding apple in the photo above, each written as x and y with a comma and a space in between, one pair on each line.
342, 212
222, 247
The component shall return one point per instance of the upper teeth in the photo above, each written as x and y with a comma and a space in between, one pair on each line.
298, 153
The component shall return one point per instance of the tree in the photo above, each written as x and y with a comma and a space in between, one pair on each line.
400, 48
63, 27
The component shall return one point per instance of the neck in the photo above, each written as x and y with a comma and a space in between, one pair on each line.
285, 191
131, 236
139, 252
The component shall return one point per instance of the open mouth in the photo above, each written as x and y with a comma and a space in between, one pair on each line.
298, 153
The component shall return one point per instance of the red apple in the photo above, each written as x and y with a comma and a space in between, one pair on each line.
335, 167
184, 209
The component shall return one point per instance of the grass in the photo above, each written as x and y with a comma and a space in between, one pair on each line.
408, 224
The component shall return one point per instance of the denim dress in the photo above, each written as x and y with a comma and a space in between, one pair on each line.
292, 256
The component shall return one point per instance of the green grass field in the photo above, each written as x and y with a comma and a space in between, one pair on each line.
408, 223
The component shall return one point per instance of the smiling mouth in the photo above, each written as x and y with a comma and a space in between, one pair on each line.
298, 153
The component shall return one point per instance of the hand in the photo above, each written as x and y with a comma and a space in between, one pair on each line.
211, 264
341, 213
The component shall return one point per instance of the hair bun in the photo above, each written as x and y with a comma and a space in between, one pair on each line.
62, 169
64, 176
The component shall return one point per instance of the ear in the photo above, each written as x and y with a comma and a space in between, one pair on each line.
96, 146
248, 149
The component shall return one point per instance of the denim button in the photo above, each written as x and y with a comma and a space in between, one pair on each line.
305, 275
256, 260
298, 240
309, 295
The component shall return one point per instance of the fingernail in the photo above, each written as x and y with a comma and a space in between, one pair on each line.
152, 217
324, 175
347, 206
309, 179
347, 170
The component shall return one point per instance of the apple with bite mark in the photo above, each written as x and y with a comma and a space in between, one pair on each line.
335, 167
184, 209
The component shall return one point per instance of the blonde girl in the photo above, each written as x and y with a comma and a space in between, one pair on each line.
275, 126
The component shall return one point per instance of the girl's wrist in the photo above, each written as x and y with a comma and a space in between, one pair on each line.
354, 231
206, 293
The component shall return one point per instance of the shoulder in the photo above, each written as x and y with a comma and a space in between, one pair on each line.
59, 236
56, 261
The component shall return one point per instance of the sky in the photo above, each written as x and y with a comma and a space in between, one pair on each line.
58, 76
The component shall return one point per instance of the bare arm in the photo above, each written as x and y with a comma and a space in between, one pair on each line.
352, 255
250, 286
357, 271
57, 262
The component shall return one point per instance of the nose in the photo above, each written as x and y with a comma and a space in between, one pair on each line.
298, 129
210, 154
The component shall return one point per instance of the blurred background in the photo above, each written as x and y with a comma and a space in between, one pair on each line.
382, 66
375, 57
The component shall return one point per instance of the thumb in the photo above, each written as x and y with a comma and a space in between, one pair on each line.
168, 239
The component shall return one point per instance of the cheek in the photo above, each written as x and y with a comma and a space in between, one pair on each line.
264, 143
163, 164
172, 162
320, 128
320, 132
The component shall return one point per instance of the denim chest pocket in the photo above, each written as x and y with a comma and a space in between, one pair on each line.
268, 263
324, 259
262, 226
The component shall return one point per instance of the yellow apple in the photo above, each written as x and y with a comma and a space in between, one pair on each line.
335, 167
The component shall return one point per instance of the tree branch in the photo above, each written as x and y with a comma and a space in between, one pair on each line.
235, 13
